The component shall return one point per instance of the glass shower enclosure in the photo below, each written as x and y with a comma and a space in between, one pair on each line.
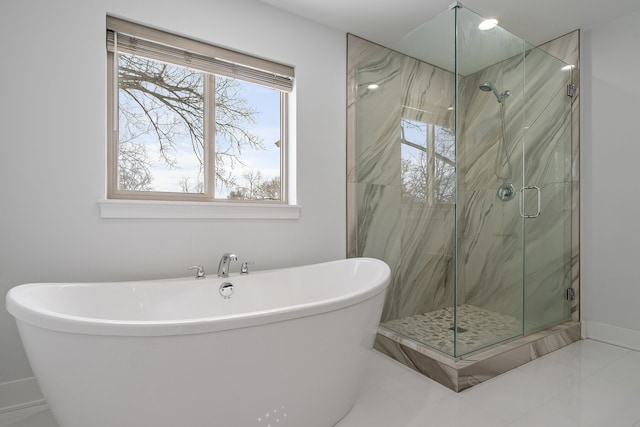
460, 178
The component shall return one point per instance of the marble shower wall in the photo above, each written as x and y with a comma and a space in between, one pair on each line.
417, 238
567, 48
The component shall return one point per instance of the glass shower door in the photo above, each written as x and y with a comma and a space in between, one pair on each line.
545, 197
489, 147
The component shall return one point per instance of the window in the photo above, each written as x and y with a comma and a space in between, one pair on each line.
427, 163
192, 121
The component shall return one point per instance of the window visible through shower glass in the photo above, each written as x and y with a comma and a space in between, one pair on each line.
427, 163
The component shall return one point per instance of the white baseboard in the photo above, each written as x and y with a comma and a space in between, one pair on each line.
628, 338
20, 394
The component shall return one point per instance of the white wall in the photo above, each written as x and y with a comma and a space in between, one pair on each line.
611, 174
52, 149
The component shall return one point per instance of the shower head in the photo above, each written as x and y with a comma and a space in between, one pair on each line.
489, 87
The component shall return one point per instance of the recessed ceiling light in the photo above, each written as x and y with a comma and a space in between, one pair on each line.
373, 86
488, 24
450, 108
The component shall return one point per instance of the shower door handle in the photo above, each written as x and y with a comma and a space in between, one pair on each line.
522, 213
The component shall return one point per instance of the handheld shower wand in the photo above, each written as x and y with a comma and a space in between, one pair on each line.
489, 87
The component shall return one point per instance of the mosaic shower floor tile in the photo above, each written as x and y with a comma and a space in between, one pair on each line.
477, 328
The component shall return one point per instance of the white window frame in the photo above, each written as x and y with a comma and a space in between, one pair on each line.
141, 204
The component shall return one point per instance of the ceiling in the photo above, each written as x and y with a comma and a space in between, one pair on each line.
386, 21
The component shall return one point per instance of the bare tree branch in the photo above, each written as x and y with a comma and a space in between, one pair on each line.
167, 103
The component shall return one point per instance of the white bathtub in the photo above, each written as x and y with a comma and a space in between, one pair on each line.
288, 348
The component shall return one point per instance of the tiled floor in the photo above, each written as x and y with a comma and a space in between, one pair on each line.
587, 384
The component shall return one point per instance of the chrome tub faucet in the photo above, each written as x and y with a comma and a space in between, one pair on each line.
223, 266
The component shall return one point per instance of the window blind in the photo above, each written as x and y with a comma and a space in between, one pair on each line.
139, 40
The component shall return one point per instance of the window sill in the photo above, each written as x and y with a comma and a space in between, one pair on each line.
112, 208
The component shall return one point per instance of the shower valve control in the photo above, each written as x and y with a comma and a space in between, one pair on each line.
506, 192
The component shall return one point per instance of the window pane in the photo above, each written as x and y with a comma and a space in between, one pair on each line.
161, 126
248, 141
165, 119
192, 121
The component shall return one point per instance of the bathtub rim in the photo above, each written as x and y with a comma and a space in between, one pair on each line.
56, 321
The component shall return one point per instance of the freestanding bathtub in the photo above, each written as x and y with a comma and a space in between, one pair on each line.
287, 348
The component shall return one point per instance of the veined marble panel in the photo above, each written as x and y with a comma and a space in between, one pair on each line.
548, 145
378, 152
567, 48
379, 232
427, 278
377, 119
373, 149
489, 252
545, 78
548, 255
428, 92
378, 226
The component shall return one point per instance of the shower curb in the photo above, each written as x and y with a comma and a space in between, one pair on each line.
459, 374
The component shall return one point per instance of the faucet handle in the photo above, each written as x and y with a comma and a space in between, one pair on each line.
244, 268
200, 271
